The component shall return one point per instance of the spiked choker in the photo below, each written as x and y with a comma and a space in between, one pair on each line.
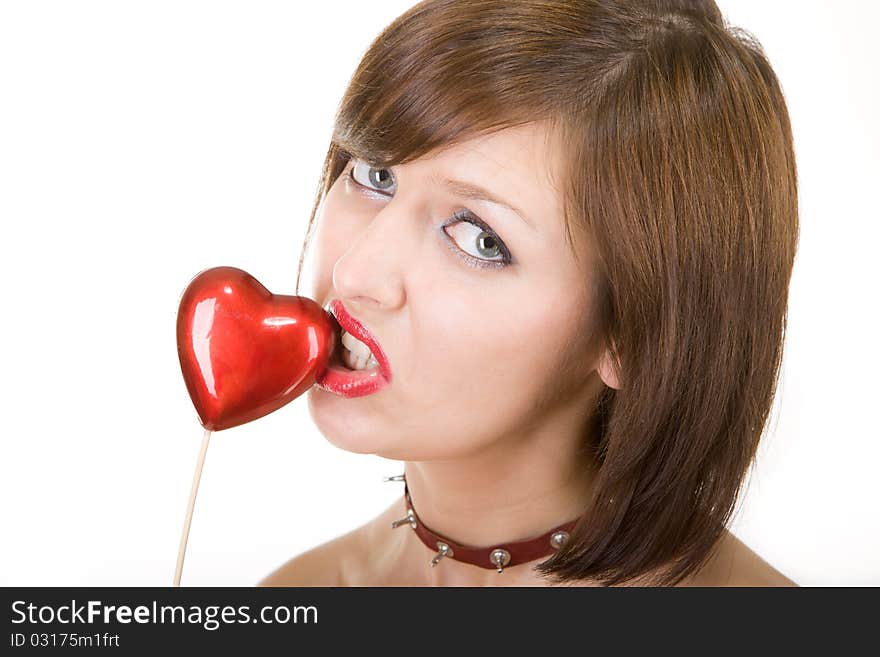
500, 556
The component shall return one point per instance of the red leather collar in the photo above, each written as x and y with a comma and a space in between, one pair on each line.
503, 555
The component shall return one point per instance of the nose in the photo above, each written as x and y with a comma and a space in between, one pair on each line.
370, 272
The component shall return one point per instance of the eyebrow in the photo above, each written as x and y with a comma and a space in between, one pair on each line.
477, 193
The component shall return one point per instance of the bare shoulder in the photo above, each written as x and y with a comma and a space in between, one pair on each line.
366, 556
735, 564
357, 558
324, 565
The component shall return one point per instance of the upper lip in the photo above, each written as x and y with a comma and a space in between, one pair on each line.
358, 330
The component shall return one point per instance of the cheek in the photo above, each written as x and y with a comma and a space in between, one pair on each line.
481, 365
492, 332
336, 226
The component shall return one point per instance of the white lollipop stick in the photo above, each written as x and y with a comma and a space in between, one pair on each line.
192, 502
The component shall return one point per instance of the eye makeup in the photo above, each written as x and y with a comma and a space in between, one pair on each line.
459, 216
480, 263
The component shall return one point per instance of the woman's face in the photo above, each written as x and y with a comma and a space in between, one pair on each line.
486, 325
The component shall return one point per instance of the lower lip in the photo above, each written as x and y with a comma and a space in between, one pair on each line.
342, 381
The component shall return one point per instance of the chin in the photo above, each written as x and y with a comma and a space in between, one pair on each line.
356, 426
346, 423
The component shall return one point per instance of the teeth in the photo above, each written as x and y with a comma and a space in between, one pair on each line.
356, 354
355, 346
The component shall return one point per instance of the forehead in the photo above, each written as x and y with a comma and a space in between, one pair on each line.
520, 165
519, 145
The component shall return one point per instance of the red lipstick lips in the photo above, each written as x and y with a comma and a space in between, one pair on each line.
342, 381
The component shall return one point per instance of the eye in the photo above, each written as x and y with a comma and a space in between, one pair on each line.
378, 180
476, 243
481, 246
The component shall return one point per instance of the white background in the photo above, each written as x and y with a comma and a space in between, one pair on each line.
142, 142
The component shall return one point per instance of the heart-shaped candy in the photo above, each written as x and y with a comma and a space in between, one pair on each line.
244, 351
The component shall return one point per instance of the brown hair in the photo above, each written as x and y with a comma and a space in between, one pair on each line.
679, 167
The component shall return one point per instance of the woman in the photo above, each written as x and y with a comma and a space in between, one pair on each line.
568, 228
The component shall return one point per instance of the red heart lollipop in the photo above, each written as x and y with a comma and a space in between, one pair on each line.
244, 351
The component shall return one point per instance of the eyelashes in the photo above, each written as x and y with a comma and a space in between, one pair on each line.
380, 183
484, 235
466, 217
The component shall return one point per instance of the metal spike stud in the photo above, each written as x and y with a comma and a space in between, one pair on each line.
500, 558
558, 539
443, 551
400, 477
408, 519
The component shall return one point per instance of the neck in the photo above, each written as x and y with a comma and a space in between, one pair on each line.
510, 491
